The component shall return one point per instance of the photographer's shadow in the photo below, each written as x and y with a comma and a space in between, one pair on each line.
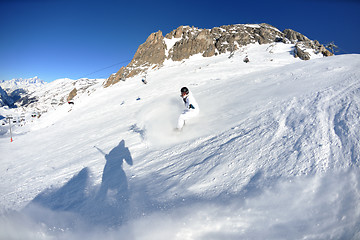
113, 195
108, 206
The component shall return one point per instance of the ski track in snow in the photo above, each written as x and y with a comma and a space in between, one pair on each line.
274, 154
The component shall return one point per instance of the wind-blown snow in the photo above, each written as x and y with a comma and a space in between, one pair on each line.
274, 154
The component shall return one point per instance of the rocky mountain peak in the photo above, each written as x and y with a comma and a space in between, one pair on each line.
186, 41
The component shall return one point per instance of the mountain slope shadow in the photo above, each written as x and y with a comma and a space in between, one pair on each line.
107, 207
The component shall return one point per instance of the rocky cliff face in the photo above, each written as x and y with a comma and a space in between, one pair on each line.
149, 53
186, 41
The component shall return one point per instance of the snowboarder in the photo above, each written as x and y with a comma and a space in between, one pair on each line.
192, 108
246, 59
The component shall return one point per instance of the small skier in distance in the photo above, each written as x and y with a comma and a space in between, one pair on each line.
192, 108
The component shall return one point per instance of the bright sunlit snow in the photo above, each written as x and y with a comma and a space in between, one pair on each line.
274, 154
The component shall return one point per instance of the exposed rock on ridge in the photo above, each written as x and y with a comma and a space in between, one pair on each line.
301, 42
186, 41
192, 41
72, 94
149, 53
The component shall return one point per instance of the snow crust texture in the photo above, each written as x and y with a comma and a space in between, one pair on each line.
274, 154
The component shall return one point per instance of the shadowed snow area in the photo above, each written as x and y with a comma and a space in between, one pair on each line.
274, 154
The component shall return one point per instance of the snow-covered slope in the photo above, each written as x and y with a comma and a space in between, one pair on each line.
56, 93
274, 154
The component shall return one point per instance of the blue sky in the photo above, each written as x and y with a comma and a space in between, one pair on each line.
55, 39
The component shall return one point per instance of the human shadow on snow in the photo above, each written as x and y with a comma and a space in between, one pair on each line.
79, 202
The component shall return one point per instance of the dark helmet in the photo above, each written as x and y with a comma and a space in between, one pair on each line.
184, 90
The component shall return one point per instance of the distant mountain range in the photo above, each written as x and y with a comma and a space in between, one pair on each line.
13, 84
36, 95
13, 90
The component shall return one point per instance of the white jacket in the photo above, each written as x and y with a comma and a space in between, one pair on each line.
190, 103
192, 110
